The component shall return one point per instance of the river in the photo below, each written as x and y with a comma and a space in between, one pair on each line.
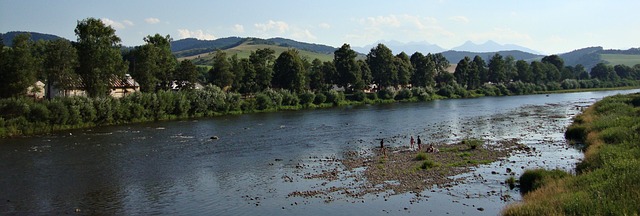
176, 168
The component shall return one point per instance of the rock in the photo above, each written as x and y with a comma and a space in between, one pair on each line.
480, 209
215, 137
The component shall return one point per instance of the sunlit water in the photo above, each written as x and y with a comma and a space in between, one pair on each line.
175, 168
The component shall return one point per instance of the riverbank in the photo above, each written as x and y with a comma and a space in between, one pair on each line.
23, 116
608, 180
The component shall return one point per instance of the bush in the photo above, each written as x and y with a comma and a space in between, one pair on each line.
533, 179
307, 98
320, 98
359, 96
421, 156
386, 93
404, 94
428, 164
263, 101
334, 97
473, 143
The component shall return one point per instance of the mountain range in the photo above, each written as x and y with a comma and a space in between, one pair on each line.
192, 48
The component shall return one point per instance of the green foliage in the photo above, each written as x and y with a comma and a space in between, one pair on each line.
473, 143
421, 156
334, 97
403, 94
387, 93
306, 98
359, 96
428, 164
320, 98
533, 179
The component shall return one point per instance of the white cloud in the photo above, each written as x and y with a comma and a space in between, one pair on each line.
198, 34
112, 23
278, 26
305, 35
325, 25
461, 19
128, 22
152, 20
237, 28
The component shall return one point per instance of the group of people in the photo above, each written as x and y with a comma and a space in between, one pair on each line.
430, 149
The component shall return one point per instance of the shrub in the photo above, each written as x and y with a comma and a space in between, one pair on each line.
386, 93
511, 182
359, 96
428, 164
473, 143
263, 101
404, 94
533, 179
306, 98
334, 97
320, 98
421, 156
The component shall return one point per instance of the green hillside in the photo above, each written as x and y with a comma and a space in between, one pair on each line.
617, 59
244, 50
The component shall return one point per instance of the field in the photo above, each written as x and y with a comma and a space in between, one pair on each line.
617, 59
244, 50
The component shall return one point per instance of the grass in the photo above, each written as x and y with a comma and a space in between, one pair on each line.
473, 143
621, 59
421, 156
428, 164
608, 180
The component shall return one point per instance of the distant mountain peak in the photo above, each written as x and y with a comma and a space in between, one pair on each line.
491, 46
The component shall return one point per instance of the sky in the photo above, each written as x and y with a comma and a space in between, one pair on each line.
548, 26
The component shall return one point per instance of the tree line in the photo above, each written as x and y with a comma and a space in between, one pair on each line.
263, 81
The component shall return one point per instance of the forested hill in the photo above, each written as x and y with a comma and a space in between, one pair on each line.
591, 56
7, 38
191, 46
455, 56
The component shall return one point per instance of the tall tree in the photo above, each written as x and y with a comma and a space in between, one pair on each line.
316, 75
220, 74
511, 71
248, 81
603, 72
238, 72
462, 73
60, 62
538, 70
166, 61
289, 71
344, 58
580, 72
404, 67
186, 74
497, 72
99, 56
18, 71
424, 70
524, 71
623, 71
555, 60
480, 67
366, 72
383, 70
262, 60
330, 73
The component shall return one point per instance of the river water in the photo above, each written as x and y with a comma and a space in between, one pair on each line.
175, 168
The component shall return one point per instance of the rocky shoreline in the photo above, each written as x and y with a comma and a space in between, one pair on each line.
402, 171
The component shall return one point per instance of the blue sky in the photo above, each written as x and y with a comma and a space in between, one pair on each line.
549, 26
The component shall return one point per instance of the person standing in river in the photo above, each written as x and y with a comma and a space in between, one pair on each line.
411, 141
419, 143
382, 150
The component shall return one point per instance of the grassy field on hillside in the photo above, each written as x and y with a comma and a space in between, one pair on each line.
244, 50
617, 59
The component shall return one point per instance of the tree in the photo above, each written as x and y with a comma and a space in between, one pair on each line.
479, 67
383, 70
366, 72
18, 70
344, 58
60, 62
165, 60
329, 71
99, 56
497, 70
462, 73
524, 71
555, 60
248, 82
316, 75
220, 74
404, 68
186, 74
262, 60
510, 68
538, 71
623, 71
289, 71
580, 72
603, 72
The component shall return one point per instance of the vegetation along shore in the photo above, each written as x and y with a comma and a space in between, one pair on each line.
94, 81
607, 179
